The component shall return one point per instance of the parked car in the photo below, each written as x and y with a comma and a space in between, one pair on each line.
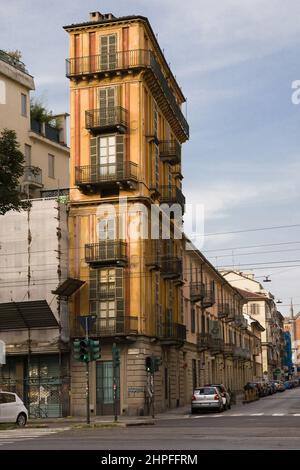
208, 398
226, 398
12, 409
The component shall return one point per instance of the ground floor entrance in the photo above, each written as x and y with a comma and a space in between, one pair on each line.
106, 386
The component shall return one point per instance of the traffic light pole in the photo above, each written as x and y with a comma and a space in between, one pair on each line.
88, 419
153, 394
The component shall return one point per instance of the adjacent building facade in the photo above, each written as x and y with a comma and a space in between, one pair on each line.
44, 147
261, 306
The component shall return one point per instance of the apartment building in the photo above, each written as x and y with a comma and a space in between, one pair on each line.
127, 128
34, 322
292, 326
43, 145
223, 344
261, 306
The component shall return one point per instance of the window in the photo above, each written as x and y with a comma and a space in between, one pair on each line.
23, 105
107, 295
155, 120
107, 98
107, 156
194, 373
7, 398
254, 309
2, 92
51, 162
193, 321
27, 155
108, 52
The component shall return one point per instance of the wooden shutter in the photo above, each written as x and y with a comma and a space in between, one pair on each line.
93, 291
120, 156
120, 301
93, 157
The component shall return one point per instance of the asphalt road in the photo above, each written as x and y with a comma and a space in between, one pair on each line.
270, 423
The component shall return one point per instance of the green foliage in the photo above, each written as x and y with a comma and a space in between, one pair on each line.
39, 113
11, 169
17, 55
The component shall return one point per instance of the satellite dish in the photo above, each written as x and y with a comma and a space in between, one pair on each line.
266, 279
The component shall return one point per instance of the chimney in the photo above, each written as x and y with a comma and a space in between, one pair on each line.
96, 16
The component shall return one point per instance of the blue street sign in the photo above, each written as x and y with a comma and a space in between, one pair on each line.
87, 321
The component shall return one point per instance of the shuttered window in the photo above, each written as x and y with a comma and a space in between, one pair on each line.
108, 100
108, 52
107, 155
107, 295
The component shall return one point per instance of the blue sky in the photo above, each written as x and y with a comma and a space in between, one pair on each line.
236, 62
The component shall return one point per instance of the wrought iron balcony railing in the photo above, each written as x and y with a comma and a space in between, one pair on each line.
133, 59
106, 175
197, 291
209, 298
171, 267
171, 195
110, 327
171, 332
203, 341
241, 322
170, 151
106, 253
216, 345
32, 177
228, 349
241, 353
107, 119
223, 310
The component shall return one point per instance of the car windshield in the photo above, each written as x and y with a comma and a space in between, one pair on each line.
206, 391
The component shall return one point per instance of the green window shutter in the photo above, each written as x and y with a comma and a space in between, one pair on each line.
120, 155
119, 283
93, 157
93, 284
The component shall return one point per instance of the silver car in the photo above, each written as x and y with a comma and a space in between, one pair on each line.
208, 398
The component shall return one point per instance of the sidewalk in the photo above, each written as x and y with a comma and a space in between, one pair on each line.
123, 421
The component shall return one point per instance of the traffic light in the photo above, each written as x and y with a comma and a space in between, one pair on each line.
157, 363
84, 350
95, 349
76, 349
149, 364
116, 356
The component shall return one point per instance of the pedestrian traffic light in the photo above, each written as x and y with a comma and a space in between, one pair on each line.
95, 349
157, 363
115, 356
84, 350
149, 364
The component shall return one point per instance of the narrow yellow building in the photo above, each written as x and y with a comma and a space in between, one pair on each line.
127, 128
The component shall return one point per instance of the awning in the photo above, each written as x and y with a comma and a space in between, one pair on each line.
68, 287
26, 315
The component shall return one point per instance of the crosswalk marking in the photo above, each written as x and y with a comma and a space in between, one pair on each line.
242, 414
12, 436
278, 414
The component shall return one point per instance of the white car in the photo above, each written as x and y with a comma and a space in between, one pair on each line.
207, 398
12, 409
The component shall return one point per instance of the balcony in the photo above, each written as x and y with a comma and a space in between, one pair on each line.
32, 177
197, 291
109, 119
208, 298
110, 327
241, 322
9, 59
228, 349
203, 341
171, 333
105, 65
241, 353
171, 267
117, 175
172, 195
216, 346
153, 254
231, 315
223, 310
106, 253
170, 151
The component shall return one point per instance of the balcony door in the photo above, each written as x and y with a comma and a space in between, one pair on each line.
108, 52
107, 104
107, 156
107, 303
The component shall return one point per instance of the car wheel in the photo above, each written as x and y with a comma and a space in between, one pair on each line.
21, 420
220, 409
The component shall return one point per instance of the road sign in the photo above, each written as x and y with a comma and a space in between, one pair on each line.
87, 322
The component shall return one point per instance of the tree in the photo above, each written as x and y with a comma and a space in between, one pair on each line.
11, 169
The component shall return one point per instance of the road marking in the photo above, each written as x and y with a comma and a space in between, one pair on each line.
12, 436
278, 414
296, 414
256, 414
237, 414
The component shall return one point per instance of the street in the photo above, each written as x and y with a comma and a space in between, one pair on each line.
270, 423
